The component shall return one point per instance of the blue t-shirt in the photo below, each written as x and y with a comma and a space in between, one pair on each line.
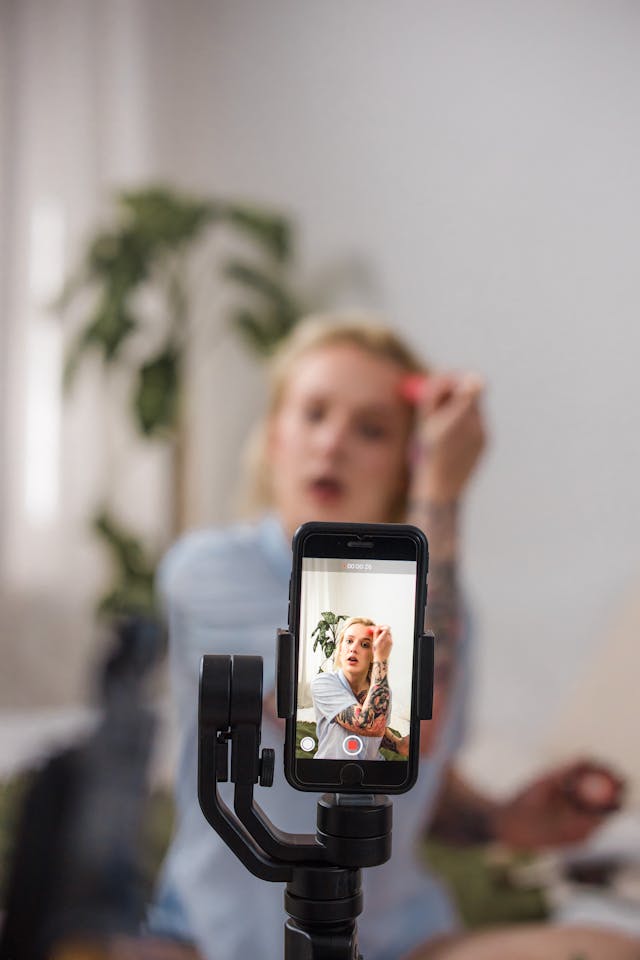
331, 694
225, 591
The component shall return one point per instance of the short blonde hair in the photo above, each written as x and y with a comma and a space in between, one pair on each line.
337, 656
360, 329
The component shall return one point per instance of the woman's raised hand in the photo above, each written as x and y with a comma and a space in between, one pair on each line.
382, 642
450, 436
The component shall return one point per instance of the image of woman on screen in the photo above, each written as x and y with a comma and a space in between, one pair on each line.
353, 703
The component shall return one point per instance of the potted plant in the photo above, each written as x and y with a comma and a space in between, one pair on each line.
146, 254
326, 635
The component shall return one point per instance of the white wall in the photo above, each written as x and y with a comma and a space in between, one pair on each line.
484, 160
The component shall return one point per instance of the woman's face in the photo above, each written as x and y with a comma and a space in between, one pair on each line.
338, 442
356, 654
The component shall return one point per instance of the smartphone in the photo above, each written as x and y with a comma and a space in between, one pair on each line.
356, 611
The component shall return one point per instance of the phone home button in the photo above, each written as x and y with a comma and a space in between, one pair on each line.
351, 774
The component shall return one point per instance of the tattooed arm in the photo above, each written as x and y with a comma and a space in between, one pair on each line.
389, 739
439, 521
448, 443
391, 742
370, 717
450, 438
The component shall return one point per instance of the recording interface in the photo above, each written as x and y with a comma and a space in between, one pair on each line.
356, 656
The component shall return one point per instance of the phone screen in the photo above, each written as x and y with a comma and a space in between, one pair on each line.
346, 605
357, 619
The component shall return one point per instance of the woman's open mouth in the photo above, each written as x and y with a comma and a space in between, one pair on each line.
326, 489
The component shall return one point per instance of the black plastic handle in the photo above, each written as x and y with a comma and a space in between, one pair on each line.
426, 665
285, 687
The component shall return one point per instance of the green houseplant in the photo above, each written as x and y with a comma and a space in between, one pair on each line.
148, 250
326, 635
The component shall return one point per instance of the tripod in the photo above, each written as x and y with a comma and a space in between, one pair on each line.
323, 895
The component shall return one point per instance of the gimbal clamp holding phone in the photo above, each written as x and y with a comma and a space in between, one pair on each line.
323, 895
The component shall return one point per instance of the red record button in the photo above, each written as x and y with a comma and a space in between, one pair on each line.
352, 745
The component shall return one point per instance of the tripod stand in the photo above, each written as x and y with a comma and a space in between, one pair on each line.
323, 895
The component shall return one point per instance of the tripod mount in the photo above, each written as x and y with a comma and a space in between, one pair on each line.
323, 894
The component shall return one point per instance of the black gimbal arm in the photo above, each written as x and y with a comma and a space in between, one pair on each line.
245, 720
230, 708
219, 817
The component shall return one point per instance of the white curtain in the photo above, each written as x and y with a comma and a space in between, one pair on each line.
75, 123
317, 599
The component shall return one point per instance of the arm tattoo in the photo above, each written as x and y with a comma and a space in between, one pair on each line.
370, 717
439, 521
388, 742
443, 614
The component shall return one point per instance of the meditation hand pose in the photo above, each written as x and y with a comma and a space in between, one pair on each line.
355, 698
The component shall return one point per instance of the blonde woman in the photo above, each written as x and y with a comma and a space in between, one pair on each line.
342, 440
355, 698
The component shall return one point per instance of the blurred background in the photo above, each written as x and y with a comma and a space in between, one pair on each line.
469, 170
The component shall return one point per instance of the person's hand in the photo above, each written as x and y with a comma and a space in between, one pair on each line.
562, 807
402, 746
382, 642
450, 436
594, 787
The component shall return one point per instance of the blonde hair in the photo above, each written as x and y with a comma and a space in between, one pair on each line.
314, 332
337, 656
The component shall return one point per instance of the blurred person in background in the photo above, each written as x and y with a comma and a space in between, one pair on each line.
357, 429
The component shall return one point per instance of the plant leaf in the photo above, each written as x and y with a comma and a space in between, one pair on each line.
132, 589
252, 331
109, 328
126, 550
112, 324
74, 354
272, 231
157, 392
250, 276
119, 259
268, 327
162, 217
326, 632
134, 597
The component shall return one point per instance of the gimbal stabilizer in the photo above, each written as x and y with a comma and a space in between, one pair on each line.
323, 896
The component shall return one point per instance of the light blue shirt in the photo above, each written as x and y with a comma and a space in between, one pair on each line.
226, 592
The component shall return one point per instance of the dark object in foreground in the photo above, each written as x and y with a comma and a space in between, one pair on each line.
75, 871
